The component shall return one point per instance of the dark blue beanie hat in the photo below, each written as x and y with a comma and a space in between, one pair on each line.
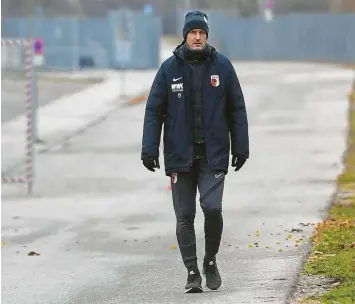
195, 20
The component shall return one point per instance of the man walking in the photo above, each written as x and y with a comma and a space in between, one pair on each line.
196, 95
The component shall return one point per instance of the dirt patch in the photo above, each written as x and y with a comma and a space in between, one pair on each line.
313, 286
138, 99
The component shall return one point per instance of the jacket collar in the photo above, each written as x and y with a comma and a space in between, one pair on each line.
184, 54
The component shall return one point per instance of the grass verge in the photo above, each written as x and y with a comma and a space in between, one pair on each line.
333, 251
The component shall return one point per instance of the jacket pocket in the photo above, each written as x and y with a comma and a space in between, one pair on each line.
169, 136
221, 133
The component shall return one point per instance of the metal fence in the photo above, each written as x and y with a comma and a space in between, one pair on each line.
313, 30
300, 37
120, 39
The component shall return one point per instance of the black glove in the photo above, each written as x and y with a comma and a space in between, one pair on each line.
238, 161
151, 162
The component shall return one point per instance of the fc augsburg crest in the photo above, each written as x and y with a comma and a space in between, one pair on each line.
215, 80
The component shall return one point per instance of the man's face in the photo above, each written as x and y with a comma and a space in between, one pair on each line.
196, 39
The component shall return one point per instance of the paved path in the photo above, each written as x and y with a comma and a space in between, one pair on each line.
49, 89
68, 113
104, 226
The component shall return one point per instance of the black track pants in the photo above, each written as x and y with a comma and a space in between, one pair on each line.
184, 190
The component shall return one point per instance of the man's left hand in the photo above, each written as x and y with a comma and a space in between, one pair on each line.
238, 161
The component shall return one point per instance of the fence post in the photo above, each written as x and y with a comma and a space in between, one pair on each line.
30, 113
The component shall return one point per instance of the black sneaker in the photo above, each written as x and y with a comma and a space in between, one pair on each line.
194, 282
213, 278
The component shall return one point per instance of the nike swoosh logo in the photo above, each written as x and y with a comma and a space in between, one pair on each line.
217, 175
176, 79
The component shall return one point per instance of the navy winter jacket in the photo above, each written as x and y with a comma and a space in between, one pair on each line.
225, 117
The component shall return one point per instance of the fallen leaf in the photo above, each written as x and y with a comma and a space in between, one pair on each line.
250, 245
281, 250
32, 253
296, 230
278, 243
3, 244
303, 224
173, 247
267, 246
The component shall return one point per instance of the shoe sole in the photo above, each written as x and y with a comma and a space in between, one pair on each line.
216, 289
194, 290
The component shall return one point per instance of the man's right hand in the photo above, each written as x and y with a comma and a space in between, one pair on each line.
151, 162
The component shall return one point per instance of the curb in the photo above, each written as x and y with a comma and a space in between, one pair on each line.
352, 91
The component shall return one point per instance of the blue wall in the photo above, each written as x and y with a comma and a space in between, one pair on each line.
69, 39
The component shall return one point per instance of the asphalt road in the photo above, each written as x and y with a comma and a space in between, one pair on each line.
104, 226
49, 88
